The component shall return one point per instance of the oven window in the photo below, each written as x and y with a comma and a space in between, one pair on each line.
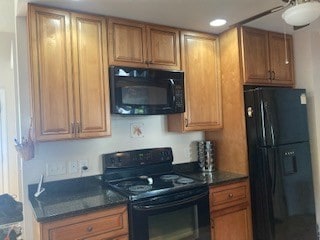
179, 224
146, 95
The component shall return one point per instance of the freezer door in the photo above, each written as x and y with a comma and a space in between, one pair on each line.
295, 179
282, 193
280, 115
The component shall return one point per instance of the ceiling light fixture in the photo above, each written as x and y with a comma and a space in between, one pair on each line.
218, 22
302, 13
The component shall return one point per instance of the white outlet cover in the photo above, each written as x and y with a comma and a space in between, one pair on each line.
137, 130
73, 166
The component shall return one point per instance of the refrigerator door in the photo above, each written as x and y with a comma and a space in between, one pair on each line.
282, 197
297, 221
261, 186
280, 115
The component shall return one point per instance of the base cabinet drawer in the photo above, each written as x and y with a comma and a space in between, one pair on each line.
101, 237
230, 212
101, 225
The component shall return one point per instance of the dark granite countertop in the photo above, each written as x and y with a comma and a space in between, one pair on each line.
77, 196
72, 197
211, 178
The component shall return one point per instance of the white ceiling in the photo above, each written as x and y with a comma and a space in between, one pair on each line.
188, 14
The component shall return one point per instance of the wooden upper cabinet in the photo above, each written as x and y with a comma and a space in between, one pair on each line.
51, 68
90, 75
127, 43
200, 63
281, 58
137, 44
267, 58
69, 74
255, 55
163, 47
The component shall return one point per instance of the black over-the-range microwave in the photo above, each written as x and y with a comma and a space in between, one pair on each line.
141, 91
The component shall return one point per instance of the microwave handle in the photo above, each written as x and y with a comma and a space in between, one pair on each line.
173, 88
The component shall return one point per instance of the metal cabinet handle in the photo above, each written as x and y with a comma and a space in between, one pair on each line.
89, 229
273, 76
79, 127
73, 128
269, 75
230, 195
186, 122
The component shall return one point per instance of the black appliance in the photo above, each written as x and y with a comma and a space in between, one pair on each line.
162, 204
140, 91
280, 164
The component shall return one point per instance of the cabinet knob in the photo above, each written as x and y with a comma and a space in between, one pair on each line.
230, 195
89, 229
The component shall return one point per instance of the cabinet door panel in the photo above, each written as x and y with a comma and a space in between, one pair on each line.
232, 226
90, 75
281, 58
127, 43
163, 47
203, 90
50, 53
255, 56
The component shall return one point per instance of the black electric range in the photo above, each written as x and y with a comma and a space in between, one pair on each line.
162, 203
144, 173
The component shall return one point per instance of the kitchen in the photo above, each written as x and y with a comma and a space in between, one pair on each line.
49, 152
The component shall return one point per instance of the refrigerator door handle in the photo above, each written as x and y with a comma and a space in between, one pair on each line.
274, 178
266, 111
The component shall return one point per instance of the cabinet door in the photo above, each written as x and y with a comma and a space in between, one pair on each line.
255, 52
51, 70
127, 43
281, 58
163, 47
90, 75
231, 225
200, 61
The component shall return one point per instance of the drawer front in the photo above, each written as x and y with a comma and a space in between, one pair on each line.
229, 195
106, 224
88, 228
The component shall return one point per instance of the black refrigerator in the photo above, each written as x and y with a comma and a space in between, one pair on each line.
280, 168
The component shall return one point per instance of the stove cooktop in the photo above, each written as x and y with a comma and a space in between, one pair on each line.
150, 186
144, 173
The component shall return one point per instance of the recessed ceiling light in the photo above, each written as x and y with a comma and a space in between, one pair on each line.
218, 22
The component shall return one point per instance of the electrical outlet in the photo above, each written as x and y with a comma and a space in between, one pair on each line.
73, 166
54, 169
83, 163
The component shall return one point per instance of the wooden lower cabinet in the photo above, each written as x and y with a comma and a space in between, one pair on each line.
231, 212
110, 224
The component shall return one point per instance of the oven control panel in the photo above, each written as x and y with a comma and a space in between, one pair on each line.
136, 158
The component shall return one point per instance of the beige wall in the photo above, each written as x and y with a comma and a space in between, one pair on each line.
307, 62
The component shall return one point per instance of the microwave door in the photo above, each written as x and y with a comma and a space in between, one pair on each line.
155, 92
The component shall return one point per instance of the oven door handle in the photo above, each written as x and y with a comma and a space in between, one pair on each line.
170, 204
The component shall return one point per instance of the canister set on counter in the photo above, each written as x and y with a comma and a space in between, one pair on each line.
207, 155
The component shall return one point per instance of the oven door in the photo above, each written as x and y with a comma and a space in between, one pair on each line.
179, 216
